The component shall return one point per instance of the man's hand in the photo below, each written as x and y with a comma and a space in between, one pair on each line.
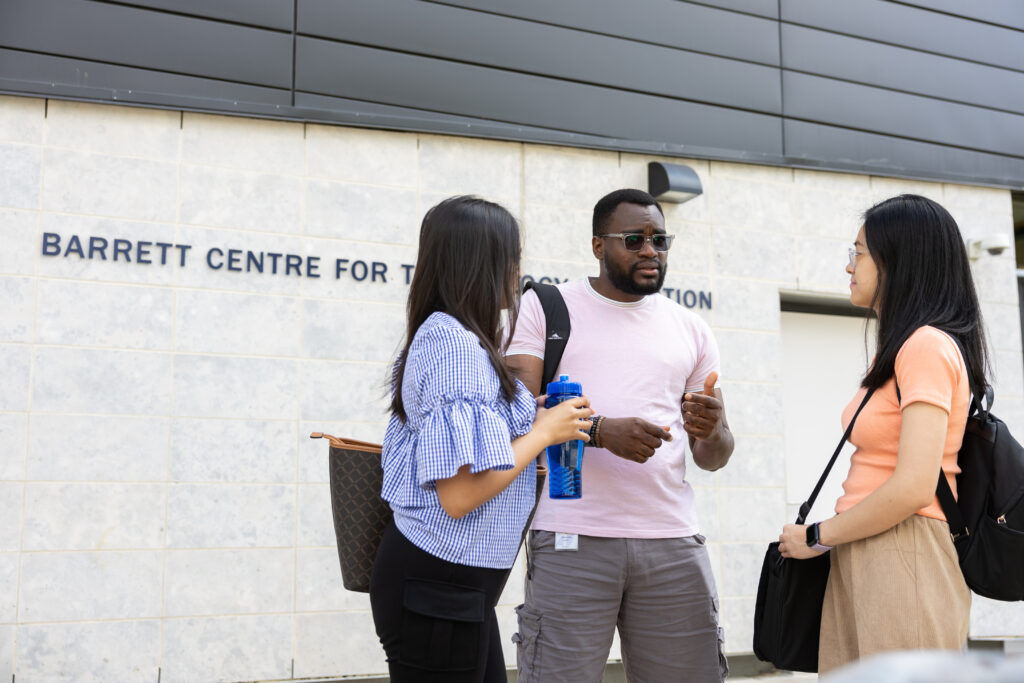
702, 413
632, 438
704, 420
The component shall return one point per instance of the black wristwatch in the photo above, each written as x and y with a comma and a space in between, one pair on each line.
814, 539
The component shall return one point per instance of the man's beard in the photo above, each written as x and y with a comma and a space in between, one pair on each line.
624, 282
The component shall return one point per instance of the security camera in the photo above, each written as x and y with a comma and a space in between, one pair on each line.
994, 244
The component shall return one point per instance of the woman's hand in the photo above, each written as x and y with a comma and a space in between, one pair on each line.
793, 543
567, 421
466, 491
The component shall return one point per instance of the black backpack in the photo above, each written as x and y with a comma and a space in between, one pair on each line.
986, 521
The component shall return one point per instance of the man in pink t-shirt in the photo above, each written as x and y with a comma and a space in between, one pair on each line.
628, 553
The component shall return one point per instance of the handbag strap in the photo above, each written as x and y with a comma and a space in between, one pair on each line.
805, 508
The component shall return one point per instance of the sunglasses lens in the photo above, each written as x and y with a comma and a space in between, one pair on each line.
633, 242
660, 242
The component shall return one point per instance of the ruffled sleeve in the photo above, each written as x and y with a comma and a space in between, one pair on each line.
458, 411
523, 411
459, 433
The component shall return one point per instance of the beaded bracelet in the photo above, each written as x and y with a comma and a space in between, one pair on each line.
595, 437
595, 420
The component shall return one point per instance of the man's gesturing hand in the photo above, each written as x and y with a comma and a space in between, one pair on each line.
632, 438
702, 413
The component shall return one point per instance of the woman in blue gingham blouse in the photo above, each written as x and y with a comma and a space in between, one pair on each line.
456, 415
459, 453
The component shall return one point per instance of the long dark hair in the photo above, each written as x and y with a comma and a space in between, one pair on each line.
924, 278
467, 267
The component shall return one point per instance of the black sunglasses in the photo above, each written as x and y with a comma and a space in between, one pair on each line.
634, 241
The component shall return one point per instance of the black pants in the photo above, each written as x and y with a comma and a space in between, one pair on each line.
434, 618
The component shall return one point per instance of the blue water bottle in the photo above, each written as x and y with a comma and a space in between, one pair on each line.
564, 460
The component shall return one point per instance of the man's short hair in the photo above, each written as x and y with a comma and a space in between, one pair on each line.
607, 204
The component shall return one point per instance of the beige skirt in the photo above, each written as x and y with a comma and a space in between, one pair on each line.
899, 590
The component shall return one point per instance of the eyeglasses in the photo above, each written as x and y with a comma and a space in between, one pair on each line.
635, 241
853, 257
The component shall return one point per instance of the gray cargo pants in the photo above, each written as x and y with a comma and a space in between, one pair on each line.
660, 593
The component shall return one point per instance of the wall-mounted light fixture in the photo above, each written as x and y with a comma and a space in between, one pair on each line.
995, 244
674, 183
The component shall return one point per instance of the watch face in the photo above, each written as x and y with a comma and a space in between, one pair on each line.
812, 535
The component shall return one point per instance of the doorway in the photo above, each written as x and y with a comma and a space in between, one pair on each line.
823, 360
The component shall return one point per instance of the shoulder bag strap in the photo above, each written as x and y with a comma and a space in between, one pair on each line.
805, 509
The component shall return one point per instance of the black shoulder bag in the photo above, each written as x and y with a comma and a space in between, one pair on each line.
787, 613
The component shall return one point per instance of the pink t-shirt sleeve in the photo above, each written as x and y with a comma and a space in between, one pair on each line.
928, 369
529, 337
707, 357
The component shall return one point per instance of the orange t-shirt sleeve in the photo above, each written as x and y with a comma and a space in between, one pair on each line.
928, 369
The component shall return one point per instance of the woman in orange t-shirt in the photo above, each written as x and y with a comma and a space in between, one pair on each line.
895, 582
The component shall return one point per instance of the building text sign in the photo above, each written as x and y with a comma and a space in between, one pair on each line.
143, 252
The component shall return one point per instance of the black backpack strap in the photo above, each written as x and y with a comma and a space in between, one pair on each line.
955, 518
557, 327
805, 509
556, 335
950, 508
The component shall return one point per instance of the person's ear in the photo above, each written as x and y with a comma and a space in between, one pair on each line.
597, 244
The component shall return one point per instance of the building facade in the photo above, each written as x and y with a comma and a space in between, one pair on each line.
185, 295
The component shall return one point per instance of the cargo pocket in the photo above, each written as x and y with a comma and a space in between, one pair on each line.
723, 662
441, 625
526, 644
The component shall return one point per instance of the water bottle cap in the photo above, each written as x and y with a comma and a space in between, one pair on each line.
564, 386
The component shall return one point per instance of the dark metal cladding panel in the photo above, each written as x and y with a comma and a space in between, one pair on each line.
65, 77
663, 22
143, 38
277, 14
370, 114
1003, 12
933, 93
849, 105
809, 144
871, 63
911, 27
764, 8
540, 49
329, 68
359, 112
